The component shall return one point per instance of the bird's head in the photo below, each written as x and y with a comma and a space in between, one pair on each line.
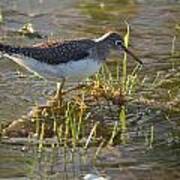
115, 42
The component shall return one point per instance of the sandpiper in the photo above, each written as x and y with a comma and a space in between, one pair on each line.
71, 60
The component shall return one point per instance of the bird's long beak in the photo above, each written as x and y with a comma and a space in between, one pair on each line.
132, 54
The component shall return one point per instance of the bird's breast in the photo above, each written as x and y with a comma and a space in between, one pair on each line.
79, 70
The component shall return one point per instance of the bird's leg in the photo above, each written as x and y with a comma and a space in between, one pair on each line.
60, 89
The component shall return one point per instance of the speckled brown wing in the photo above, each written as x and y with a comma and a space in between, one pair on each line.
59, 53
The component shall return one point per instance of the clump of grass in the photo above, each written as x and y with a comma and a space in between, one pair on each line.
28, 30
124, 68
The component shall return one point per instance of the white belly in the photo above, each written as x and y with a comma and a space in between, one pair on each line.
72, 71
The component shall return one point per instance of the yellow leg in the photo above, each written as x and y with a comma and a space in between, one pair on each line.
60, 86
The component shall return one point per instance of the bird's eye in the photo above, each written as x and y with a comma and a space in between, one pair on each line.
118, 43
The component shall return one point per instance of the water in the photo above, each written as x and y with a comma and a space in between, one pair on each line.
154, 28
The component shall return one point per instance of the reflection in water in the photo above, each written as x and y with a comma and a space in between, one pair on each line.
153, 28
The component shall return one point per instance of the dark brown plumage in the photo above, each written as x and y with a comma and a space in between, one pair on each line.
54, 54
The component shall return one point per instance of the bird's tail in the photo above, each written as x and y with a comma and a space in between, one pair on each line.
7, 49
10, 50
